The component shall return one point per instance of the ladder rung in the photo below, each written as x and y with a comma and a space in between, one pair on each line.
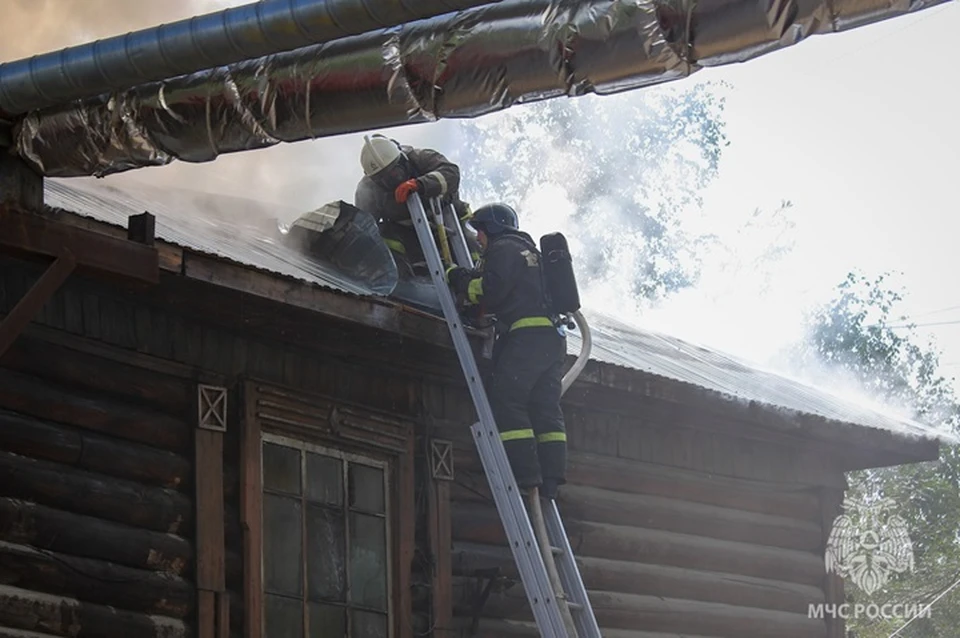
574, 606
556, 551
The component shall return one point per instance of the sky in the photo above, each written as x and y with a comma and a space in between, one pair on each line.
858, 129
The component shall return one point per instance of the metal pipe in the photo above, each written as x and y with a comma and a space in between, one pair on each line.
201, 42
457, 65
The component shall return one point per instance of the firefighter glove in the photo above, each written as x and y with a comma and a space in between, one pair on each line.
458, 278
403, 190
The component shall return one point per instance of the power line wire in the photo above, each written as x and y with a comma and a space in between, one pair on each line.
926, 324
932, 603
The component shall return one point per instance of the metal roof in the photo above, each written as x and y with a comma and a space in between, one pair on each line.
180, 220
613, 341
639, 349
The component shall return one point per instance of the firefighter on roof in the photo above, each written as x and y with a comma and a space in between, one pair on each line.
391, 173
528, 359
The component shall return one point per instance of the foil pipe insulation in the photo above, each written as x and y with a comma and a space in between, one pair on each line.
197, 43
457, 65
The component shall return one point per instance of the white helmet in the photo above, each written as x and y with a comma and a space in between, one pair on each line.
378, 154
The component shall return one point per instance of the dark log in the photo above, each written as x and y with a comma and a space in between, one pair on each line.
42, 399
653, 613
494, 628
108, 456
634, 477
603, 575
65, 488
477, 524
6, 632
68, 617
84, 536
652, 512
71, 367
95, 581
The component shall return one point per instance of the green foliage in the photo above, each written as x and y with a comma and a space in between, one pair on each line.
634, 167
858, 331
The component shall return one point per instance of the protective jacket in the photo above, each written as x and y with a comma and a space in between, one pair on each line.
509, 282
436, 177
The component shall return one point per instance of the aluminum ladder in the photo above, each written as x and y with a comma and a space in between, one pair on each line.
550, 576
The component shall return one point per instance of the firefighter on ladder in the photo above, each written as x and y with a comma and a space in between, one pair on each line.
528, 358
391, 172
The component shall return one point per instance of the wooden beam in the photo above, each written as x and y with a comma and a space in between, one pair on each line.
19, 184
406, 538
211, 571
31, 303
251, 512
441, 552
33, 235
380, 313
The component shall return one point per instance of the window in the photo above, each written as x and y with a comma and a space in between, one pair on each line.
325, 545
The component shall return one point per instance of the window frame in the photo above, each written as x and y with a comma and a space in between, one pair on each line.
369, 460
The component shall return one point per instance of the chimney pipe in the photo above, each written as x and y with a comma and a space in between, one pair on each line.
457, 65
198, 43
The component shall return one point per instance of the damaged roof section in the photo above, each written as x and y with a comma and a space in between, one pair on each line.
184, 219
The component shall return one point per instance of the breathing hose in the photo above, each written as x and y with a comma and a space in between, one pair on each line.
586, 344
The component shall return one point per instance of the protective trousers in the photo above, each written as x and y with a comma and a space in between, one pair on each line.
525, 399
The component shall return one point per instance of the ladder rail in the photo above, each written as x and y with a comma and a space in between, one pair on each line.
461, 252
584, 619
496, 465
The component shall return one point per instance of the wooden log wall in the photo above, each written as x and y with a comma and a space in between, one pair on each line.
721, 538
681, 527
96, 508
124, 367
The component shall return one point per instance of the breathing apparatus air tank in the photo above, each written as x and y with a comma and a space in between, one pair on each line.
561, 283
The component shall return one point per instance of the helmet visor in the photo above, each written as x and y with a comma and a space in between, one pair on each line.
394, 174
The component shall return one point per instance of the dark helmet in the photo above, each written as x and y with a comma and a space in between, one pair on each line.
494, 218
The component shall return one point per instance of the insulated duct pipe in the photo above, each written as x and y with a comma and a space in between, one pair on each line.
465, 64
198, 43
